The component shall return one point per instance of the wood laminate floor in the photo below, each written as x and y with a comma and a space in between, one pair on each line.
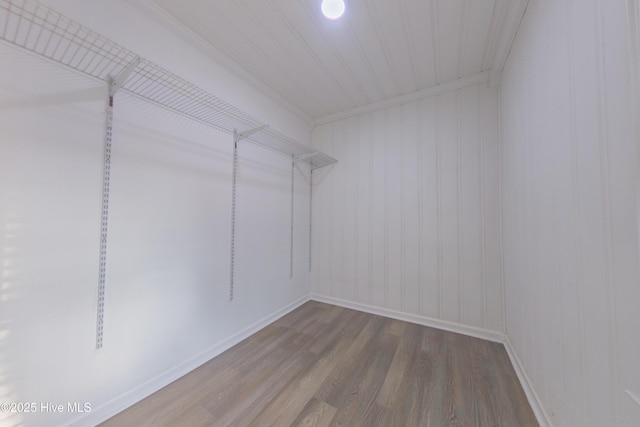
322, 365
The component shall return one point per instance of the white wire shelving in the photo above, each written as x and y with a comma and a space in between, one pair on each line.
41, 30
47, 33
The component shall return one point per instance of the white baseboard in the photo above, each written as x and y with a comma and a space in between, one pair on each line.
118, 404
484, 334
494, 336
527, 386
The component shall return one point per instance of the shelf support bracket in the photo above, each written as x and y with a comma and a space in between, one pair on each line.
119, 81
305, 156
239, 136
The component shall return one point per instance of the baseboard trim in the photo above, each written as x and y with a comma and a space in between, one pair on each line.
119, 403
532, 396
527, 386
484, 334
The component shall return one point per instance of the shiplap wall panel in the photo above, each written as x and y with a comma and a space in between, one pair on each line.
408, 219
393, 205
378, 240
470, 227
448, 183
427, 227
491, 274
410, 208
337, 228
569, 183
364, 222
350, 234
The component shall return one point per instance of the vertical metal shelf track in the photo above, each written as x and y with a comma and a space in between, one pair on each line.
234, 181
310, 216
36, 28
106, 175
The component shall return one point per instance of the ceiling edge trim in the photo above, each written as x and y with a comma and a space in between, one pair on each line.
154, 11
439, 89
507, 38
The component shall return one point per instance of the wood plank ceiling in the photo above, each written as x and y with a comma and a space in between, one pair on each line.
379, 50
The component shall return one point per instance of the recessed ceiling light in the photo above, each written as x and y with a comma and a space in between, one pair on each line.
332, 9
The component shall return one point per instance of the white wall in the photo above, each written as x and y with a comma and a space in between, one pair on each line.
167, 305
408, 219
569, 185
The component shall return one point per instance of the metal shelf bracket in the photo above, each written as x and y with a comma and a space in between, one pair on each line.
304, 157
119, 81
239, 136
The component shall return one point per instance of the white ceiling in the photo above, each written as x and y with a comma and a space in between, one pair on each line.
379, 51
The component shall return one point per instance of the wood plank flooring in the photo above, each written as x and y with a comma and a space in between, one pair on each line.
322, 365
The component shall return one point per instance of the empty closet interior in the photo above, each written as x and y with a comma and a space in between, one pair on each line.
170, 185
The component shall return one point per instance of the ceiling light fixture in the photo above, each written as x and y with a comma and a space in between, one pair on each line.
332, 9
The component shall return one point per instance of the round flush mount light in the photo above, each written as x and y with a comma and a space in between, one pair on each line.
332, 9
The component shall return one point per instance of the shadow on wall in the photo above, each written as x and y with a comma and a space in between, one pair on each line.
41, 123
9, 270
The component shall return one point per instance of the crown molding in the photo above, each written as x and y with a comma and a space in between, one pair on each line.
406, 98
175, 26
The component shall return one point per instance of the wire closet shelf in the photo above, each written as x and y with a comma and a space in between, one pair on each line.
43, 31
